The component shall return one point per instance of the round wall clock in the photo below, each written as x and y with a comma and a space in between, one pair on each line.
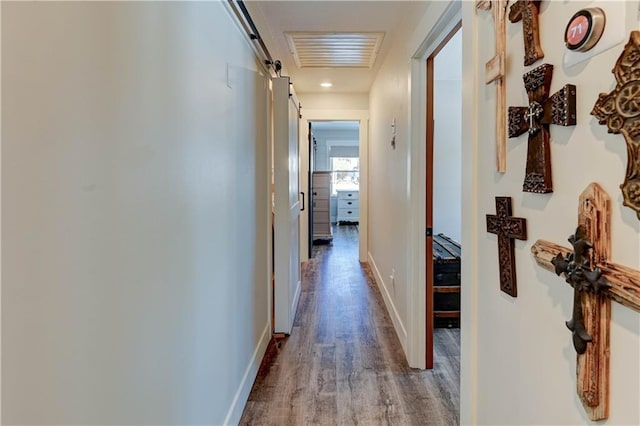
584, 29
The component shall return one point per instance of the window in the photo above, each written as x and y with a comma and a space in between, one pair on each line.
345, 173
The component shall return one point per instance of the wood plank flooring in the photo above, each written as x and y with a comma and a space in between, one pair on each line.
343, 363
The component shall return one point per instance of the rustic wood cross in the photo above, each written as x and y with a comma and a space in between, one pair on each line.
494, 73
507, 228
542, 111
620, 111
606, 281
527, 11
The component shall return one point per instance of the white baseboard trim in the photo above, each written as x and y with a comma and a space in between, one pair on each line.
296, 300
239, 400
398, 325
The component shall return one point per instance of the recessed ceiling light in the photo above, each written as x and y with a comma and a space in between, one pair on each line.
326, 84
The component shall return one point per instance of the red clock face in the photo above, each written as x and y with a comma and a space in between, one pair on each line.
577, 30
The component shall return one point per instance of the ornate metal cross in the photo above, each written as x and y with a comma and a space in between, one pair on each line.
507, 228
577, 270
527, 12
494, 73
620, 111
542, 111
596, 281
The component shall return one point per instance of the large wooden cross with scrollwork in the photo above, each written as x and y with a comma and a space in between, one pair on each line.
620, 111
527, 11
595, 281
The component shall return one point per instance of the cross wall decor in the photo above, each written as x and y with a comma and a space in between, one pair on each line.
507, 227
595, 281
494, 73
620, 111
527, 11
535, 119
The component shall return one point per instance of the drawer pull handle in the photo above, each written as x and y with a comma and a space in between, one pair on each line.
350, 195
349, 212
350, 203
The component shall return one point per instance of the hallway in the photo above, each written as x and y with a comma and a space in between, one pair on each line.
343, 363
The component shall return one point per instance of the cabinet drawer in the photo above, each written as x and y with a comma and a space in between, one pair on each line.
348, 195
348, 214
320, 205
321, 228
348, 204
321, 193
321, 180
321, 217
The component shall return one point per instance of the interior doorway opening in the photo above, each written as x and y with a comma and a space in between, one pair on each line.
443, 192
334, 165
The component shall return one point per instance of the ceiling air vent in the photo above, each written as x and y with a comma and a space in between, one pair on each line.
335, 49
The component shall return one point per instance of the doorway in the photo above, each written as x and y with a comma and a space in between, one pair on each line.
335, 178
354, 119
443, 190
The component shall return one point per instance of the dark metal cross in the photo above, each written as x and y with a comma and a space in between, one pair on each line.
535, 119
620, 111
507, 228
584, 279
527, 12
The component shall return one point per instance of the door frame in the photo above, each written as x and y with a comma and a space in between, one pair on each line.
417, 292
310, 164
430, 143
362, 117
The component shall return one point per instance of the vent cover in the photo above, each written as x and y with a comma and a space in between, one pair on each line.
335, 49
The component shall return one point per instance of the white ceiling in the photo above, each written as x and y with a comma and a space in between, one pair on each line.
274, 18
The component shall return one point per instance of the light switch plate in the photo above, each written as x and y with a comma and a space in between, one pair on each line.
614, 30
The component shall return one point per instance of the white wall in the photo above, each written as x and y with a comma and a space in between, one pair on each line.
516, 335
447, 143
334, 101
134, 219
518, 364
390, 205
347, 138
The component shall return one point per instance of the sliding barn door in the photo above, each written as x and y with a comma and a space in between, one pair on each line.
287, 205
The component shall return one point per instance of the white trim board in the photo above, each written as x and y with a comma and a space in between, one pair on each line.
398, 325
416, 296
242, 394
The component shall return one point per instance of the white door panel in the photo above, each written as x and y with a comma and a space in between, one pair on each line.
287, 206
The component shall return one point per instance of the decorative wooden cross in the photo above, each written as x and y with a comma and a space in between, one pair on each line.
507, 228
620, 111
527, 11
536, 118
494, 73
602, 282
